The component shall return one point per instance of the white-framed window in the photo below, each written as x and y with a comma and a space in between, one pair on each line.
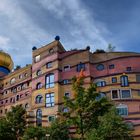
125, 94
67, 68
122, 110
115, 94
50, 80
37, 58
50, 100
51, 118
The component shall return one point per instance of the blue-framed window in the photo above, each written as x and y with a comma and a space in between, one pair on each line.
80, 66
114, 79
50, 100
100, 67
50, 80
101, 84
112, 66
100, 96
39, 117
39, 99
49, 65
125, 94
124, 81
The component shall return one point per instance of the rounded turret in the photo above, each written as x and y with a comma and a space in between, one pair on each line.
6, 63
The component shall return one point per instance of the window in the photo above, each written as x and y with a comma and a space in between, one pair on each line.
23, 86
1, 111
37, 58
50, 81
49, 65
130, 125
39, 85
100, 96
101, 84
124, 81
51, 50
20, 76
19, 88
67, 94
39, 99
67, 68
115, 94
51, 118
100, 67
138, 78
138, 92
50, 100
25, 74
114, 79
80, 67
13, 80
39, 117
112, 66
122, 110
17, 97
14, 90
39, 72
26, 106
125, 94
65, 110
128, 69
66, 81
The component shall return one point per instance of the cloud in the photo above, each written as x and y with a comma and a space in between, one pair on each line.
25, 25
4, 41
81, 24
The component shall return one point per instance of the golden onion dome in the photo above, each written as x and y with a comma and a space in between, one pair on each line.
6, 61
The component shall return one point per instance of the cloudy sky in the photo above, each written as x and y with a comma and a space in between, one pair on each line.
79, 23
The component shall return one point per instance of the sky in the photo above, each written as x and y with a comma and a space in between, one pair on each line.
79, 23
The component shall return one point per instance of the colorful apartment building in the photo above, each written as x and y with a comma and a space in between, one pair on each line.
40, 87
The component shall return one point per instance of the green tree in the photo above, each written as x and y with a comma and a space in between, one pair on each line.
5, 130
111, 127
35, 133
59, 130
86, 107
99, 51
110, 48
16, 120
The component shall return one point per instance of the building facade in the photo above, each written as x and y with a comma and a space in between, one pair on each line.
40, 87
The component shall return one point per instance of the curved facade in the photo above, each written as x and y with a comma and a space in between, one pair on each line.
40, 87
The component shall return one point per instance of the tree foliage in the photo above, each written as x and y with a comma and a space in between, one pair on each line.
35, 133
59, 130
110, 48
111, 127
13, 124
85, 109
